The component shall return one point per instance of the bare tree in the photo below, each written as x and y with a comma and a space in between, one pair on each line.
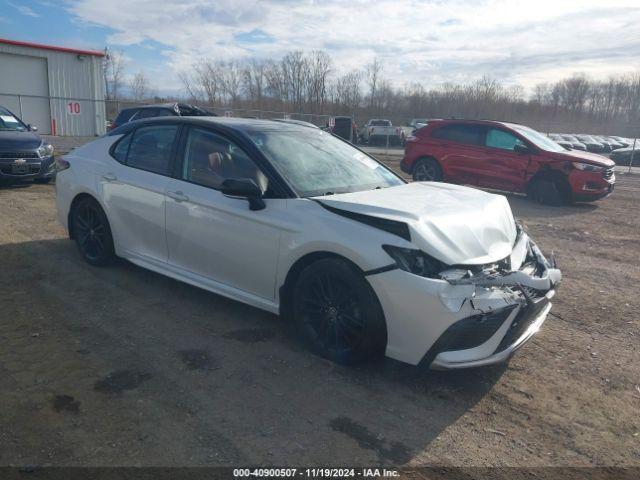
113, 64
139, 85
319, 67
373, 71
306, 82
254, 82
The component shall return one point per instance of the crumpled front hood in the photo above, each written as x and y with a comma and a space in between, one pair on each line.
13, 140
588, 157
457, 225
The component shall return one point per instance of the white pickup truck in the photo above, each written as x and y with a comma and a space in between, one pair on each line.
378, 132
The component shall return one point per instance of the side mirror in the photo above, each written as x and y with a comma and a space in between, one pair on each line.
33, 128
244, 188
521, 148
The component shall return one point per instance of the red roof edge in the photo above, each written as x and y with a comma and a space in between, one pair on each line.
51, 47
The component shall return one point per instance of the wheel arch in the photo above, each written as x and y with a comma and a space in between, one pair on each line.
297, 267
74, 203
554, 175
426, 157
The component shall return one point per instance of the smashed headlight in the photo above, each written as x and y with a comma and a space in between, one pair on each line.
415, 261
45, 150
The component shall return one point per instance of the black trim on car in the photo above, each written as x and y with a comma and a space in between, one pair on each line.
386, 268
394, 227
468, 333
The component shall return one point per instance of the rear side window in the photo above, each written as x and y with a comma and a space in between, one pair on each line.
469, 134
151, 148
122, 147
146, 113
501, 139
164, 112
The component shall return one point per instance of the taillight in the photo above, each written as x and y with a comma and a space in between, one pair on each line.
62, 164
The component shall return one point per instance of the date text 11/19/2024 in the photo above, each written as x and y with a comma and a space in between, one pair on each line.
315, 472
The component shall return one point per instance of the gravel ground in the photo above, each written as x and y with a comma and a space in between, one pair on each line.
121, 366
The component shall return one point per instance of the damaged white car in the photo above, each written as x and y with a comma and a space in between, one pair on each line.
296, 221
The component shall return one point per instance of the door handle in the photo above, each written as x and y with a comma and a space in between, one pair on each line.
178, 196
109, 177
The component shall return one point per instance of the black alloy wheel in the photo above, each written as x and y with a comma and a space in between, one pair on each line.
92, 233
338, 313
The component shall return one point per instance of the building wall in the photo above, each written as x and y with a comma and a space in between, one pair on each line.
75, 89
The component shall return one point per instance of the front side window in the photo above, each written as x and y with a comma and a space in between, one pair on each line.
501, 139
209, 159
8, 122
151, 148
538, 139
317, 163
469, 134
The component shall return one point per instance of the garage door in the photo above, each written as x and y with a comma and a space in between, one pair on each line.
24, 75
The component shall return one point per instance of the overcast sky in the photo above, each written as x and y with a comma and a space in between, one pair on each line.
428, 41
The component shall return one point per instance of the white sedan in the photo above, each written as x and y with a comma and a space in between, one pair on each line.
298, 222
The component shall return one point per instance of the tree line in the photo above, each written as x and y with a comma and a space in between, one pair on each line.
308, 83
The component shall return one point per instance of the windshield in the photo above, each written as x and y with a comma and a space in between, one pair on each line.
11, 123
316, 163
380, 123
538, 139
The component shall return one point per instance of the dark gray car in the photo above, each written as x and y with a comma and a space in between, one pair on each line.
24, 155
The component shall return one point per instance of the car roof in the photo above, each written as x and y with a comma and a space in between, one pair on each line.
444, 121
231, 123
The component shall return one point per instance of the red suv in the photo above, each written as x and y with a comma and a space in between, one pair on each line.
506, 156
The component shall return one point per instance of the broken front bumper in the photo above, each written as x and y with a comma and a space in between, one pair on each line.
471, 320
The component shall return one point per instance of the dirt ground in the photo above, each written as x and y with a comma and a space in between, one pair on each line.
121, 366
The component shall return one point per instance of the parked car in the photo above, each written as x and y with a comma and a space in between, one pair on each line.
613, 142
576, 144
561, 141
608, 145
343, 127
158, 110
296, 221
592, 144
625, 142
24, 155
509, 157
417, 123
380, 132
623, 156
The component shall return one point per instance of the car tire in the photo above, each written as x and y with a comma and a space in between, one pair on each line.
337, 313
92, 233
548, 192
42, 181
427, 170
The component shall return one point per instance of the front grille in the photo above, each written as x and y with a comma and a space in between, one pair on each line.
12, 155
32, 169
608, 173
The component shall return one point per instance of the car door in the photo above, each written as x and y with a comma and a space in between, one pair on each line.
134, 190
216, 237
505, 168
462, 152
